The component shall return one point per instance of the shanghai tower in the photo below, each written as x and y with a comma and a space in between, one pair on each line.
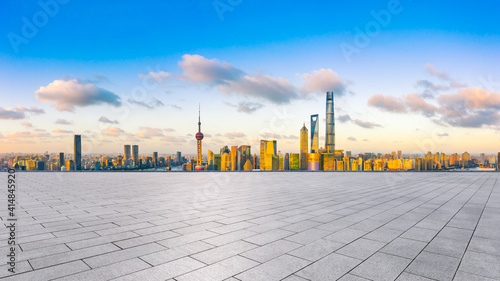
330, 124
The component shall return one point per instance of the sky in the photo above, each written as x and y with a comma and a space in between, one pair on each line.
415, 76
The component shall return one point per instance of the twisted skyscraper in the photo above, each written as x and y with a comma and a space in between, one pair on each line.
330, 124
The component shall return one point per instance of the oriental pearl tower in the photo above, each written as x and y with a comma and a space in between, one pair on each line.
199, 137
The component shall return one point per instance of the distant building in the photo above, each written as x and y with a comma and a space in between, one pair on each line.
314, 133
330, 123
155, 159
78, 152
126, 152
303, 147
135, 155
61, 160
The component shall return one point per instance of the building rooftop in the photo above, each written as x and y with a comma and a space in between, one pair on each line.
257, 226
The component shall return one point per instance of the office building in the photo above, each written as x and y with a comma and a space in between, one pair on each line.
126, 152
78, 152
135, 155
61, 160
303, 147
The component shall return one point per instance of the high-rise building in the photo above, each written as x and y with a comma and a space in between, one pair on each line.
155, 159
263, 149
498, 161
61, 160
234, 153
126, 151
314, 133
179, 158
199, 137
78, 152
210, 158
400, 154
303, 147
135, 155
287, 162
330, 124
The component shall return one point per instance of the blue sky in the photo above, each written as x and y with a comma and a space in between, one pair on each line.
258, 68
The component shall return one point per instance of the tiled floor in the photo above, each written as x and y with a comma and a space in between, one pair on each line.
256, 226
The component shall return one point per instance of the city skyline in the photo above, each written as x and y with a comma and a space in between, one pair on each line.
409, 84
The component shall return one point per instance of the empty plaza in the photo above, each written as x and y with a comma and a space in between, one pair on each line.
251, 226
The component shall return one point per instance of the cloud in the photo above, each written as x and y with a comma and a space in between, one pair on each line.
67, 94
366, 124
270, 136
173, 139
97, 78
31, 110
409, 103
246, 107
175, 106
199, 69
26, 135
365, 140
429, 88
416, 103
160, 76
387, 103
276, 90
351, 138
322, 81
132, 139
59, 131
9, 113
468, 107
152, 103
105, 119
148, 132
63, 122
234, 135
169, 130
344, 118
112, 132
443, 135
27, 124
291, 137
231, 80
443, 76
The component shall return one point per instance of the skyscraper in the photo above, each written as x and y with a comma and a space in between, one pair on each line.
61, 160
199, 137
78, 152
314, 133
155, 158
126, 151
330, 124
303, 148
135, 154
262, 159
179, 157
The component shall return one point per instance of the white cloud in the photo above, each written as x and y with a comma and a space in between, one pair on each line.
160, 76
105, 119
322, 81
67, 94
9, 113
63, 122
